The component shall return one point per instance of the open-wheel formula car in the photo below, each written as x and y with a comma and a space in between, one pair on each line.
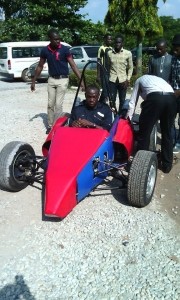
76, 160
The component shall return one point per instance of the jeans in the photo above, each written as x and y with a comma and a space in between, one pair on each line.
56, 92
118, 88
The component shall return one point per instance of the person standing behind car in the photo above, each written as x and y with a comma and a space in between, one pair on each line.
160, 63
175, 82
103, 78
121, 69
57, 56
159, 104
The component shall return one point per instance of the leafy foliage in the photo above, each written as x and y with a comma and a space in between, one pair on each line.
170, 27
31, 19
136, 18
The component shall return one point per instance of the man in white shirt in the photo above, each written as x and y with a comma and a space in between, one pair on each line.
159, 104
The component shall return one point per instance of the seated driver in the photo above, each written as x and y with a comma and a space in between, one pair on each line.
91, 113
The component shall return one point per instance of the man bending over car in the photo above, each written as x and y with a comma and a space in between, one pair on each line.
91, 113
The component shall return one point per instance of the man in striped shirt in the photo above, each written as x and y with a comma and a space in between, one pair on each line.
159, 104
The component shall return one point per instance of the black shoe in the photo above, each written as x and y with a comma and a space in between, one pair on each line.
166, 169
48, 130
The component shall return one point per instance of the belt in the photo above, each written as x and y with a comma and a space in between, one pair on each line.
59, 76
162, 93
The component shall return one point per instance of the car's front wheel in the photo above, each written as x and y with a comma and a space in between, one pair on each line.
142, 178
15, 165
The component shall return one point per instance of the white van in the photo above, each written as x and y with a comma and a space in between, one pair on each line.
16, 57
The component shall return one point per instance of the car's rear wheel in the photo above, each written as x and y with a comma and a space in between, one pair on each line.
25, 76
15, 165
142, 178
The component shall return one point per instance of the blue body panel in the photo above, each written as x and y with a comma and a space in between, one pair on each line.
86, 179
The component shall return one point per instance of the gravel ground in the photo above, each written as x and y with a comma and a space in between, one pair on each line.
104, 249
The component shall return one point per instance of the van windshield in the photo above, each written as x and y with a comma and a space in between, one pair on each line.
3, 52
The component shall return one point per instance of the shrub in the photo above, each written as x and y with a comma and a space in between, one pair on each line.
90, 78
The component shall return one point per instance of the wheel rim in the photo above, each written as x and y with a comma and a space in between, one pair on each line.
19, 170
155, 137
151, 180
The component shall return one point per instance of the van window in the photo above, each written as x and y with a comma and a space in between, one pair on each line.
20, 52
3, 53
76, 53
91, 51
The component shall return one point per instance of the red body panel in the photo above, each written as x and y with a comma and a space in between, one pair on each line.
70, 150
124, 135
60, 122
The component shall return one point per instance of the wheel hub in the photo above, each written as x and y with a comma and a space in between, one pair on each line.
151, 181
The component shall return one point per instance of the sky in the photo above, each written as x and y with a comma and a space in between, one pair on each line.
97, 9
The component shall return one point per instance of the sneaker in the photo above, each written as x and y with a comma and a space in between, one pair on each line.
176, 148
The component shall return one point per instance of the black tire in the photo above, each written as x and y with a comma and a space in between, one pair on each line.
142, 178
9, 158
153, 139
25, 76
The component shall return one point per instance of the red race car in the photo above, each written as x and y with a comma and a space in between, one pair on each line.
76, 160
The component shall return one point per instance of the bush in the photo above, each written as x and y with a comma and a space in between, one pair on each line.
90, 78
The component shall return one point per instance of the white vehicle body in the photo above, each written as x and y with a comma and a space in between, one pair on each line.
16, 57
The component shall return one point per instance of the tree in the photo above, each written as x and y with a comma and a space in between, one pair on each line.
137, 18
170, 26
30, 19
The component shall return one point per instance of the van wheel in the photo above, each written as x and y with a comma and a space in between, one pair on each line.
24, 76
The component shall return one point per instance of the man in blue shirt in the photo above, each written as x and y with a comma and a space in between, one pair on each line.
57, 56
91, 113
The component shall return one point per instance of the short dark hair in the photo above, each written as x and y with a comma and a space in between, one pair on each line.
106, 35
52, 31
161, 41
119, 36
93, 87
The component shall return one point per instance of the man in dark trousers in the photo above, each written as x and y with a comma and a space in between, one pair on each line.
159, 104
121, 69
175, 82
160, 63
103, 77
57, 56
91, 113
